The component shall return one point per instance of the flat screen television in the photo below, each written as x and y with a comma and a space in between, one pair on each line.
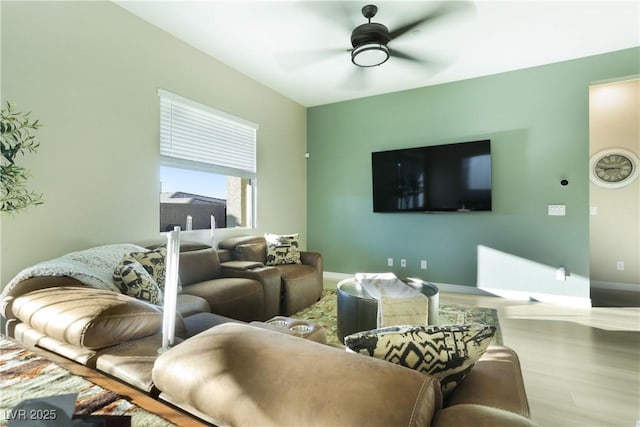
437, 178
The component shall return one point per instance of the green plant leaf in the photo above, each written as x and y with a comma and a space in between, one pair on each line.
16, 139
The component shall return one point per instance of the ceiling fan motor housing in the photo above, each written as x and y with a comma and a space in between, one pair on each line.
371, 32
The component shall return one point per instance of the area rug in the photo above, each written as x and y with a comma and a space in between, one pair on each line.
325, 313
26, 375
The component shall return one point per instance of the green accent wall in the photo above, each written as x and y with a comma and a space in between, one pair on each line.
537, 120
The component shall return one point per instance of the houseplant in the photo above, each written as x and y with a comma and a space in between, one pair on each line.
16, 138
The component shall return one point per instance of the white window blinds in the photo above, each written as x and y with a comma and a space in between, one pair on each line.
195, 136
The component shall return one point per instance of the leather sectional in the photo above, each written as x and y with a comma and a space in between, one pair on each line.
229, 372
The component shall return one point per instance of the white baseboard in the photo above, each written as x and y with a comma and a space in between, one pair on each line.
333, 278
568, 301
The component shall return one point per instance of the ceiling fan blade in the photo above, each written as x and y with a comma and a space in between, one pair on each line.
293, 60
356, 80
397, 54
443, 9
432, 65
339, 14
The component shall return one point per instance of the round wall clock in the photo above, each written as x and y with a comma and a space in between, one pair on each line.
614, 168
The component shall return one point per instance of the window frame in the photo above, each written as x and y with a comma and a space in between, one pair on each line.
181, 154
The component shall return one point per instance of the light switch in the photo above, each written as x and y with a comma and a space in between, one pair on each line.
556, 210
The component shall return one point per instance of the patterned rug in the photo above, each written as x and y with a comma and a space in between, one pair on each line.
324, 312
26, 375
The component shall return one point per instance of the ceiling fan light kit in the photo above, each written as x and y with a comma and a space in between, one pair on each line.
370, 55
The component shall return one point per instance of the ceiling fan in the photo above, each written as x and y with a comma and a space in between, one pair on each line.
371, 42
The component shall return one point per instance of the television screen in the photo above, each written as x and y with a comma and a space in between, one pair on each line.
451, 177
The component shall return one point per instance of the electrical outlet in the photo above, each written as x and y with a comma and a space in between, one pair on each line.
403, 263
620, 265
389, 262
423, 264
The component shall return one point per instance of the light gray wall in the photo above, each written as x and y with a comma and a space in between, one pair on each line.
90, 71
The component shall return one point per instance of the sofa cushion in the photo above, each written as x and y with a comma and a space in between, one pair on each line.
134, 280
479, 416
282, 249
256, 252
234, 297
132, 361
87, 317
445, 352
198, 266
188, 305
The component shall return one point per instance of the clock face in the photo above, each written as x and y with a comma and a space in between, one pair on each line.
614, 168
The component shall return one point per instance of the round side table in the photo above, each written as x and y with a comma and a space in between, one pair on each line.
358, 311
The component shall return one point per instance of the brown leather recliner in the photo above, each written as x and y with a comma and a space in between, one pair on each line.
201, 275
301, 284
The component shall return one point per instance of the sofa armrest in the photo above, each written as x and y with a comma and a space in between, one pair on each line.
242, 375
224, 255
313, 259
268, 277
479, 416
88, 318
32, 284
241, 265
495, 380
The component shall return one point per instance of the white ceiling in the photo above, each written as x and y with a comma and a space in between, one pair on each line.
300, 48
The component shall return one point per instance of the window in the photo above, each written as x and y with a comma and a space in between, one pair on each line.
207, 166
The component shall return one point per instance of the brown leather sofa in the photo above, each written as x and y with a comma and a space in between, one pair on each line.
226, 371
119, 334
208, 281
301, 283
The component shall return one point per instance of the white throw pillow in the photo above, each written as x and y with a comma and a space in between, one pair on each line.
282, 249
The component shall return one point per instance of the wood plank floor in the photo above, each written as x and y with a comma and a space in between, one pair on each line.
581, 367
144, 401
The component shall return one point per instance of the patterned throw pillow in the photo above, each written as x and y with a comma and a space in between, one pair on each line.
282, 249
445, 352
154, 262
133, 280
